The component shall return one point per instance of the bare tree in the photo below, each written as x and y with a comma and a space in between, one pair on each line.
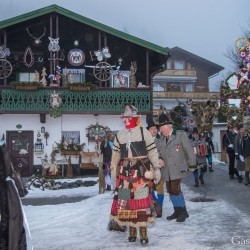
233, 53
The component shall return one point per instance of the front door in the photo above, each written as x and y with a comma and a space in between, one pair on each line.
20, 147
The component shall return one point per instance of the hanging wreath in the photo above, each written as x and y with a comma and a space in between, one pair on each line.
55, 105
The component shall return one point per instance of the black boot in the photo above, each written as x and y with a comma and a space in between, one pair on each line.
183, 214
132, 234
240, 179
201, 179
196, 182
108, 188
158, 210
143, 235
174, 215
246, 179
211, 169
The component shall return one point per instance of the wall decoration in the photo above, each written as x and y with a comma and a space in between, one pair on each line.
37, 40
132, 78
96, 131
120, 79
53, 44
5, 66
76, 57
99, 55
44, 74
28, 58
55, 105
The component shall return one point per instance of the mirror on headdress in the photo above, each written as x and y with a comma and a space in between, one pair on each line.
234, 103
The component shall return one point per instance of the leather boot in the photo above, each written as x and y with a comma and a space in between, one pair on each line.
158, 210
240, 179
183, 214
246, 179
196, 182
132, 234
174, 215
201, 179
143, 235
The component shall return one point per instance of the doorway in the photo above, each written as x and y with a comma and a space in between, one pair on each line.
20, 147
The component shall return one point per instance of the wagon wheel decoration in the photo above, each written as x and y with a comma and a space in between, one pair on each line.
102, 71
5, 68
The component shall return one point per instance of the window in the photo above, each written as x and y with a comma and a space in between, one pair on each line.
178, 65
27, 77
169, 63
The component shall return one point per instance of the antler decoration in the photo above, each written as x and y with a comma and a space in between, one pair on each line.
37, 40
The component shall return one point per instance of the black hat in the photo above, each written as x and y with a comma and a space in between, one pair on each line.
164, 119
195, 130
151, 123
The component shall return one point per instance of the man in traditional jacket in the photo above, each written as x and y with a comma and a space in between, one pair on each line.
135, 165
178, 155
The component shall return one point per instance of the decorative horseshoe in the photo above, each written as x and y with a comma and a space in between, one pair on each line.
40, 59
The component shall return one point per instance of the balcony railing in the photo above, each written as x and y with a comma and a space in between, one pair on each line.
101, 101
172, 72
185, 95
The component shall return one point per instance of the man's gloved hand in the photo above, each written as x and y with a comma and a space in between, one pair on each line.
237, 157
157, 175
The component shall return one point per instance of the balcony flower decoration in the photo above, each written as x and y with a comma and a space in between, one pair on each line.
26, 85
81, 86
55, 105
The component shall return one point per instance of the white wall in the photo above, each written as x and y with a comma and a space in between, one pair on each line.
54, 126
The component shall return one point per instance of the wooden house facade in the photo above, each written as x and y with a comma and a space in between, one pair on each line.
53, 50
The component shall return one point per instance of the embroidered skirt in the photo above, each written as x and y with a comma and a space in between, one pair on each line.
133, 203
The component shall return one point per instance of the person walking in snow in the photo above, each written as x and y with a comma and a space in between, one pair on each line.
228, 144
106, 150
240, 164
177, 153
159, 188
210, 151
135, 166
200, 149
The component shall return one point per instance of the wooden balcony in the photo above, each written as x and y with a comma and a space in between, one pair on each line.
185, 95
100, 101
172, 72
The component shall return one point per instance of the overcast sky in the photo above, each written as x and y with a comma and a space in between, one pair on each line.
205, 28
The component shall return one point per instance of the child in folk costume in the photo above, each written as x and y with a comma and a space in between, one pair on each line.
200, 149
134, 166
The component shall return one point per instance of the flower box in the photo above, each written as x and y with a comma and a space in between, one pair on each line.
79, 88
26, 87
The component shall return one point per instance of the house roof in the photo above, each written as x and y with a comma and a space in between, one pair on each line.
212, 68
85, 20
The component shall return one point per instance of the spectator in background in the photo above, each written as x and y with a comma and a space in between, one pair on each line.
200, 150
240, 164
228, 144
210, 151
106, 151
246, 152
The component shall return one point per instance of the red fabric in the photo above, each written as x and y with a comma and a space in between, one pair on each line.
114, 208
130, 122
138, 204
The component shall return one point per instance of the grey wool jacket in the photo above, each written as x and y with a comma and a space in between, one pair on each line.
177, 153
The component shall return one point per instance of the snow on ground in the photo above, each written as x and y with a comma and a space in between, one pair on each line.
83, 225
